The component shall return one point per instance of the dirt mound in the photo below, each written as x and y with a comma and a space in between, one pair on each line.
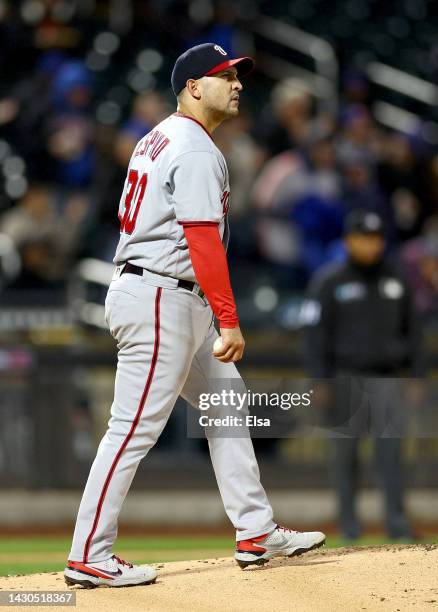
372, 578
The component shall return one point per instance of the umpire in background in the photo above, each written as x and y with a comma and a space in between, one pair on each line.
361, 330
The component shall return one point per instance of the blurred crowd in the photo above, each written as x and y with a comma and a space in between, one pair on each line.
316, 168
83, 82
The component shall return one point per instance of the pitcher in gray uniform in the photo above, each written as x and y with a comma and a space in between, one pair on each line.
171, 278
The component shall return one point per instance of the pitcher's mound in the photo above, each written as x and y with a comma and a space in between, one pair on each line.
373, 578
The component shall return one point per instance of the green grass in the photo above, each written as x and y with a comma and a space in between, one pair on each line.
48, 554
143, 543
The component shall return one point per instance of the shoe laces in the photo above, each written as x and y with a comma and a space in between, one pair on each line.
282, 528
121, 561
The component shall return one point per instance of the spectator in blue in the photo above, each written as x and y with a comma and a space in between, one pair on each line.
318, 213
70, 130
219, 26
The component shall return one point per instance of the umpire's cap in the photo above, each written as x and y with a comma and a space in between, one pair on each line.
206, 60
364, 222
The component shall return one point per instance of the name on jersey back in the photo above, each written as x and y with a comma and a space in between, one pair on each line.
152, 145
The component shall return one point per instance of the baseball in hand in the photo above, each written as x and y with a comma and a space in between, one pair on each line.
217, 345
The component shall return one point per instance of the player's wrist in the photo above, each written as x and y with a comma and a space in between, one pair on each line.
229, 324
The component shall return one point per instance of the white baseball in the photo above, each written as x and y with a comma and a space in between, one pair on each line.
217, 345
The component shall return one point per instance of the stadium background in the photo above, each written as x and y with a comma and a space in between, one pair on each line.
340, 114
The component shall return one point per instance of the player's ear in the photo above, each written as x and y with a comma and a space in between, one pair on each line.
193, 88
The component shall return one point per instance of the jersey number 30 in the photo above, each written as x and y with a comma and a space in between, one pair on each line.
133, 200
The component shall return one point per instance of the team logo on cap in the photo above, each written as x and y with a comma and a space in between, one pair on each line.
218, 48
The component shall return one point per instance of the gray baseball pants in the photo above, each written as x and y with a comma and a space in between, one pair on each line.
165, 341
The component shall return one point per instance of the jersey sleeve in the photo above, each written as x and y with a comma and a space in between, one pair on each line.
196, 181
209, 262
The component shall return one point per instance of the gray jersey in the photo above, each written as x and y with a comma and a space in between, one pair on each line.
176, 175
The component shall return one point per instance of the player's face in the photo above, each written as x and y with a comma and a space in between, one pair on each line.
220, 92
366, 249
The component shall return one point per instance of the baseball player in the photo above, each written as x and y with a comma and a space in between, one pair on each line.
171, 279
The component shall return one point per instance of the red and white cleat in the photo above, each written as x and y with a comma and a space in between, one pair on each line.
281, 542
113, 572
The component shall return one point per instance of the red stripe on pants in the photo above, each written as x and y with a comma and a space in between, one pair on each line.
133, 426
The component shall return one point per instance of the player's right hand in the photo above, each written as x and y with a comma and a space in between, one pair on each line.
233, 345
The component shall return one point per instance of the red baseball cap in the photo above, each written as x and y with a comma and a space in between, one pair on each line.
206, 60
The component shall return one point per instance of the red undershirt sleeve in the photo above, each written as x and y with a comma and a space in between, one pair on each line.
209, 262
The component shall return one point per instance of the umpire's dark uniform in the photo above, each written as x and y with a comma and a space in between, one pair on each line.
361, 326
